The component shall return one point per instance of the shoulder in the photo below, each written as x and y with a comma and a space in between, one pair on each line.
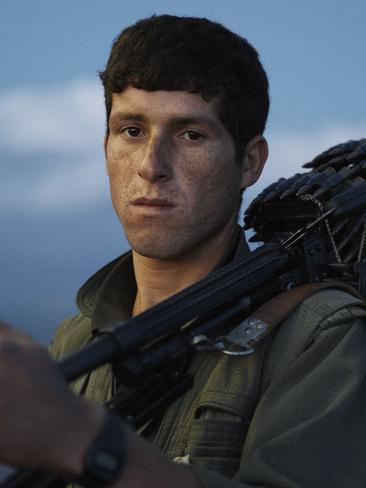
70, 335
324, 309
328, 300
326, 315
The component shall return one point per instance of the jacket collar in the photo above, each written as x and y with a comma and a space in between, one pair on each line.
109, 294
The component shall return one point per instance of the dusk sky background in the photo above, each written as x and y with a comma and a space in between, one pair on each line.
56, 222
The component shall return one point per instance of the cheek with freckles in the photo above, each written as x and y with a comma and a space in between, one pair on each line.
119, 183
212, 183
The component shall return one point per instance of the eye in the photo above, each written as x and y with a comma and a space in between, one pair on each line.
192, 135
132, 131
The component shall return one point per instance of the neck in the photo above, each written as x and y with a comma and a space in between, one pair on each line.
157, 279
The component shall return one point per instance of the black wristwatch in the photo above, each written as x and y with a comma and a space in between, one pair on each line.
105, 457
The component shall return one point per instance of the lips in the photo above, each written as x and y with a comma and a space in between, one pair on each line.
152, 202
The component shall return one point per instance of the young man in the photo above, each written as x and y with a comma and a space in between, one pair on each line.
187, 102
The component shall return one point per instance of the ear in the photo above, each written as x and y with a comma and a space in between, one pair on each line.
256, 153
105, 154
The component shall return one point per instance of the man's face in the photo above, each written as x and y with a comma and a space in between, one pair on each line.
173, 176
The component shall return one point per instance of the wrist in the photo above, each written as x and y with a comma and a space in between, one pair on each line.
85, 423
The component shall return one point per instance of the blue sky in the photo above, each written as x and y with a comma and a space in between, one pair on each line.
56, 222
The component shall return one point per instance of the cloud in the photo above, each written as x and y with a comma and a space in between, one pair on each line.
57, 118
289, 150
51, 149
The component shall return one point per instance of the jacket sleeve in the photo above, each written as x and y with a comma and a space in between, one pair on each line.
309, 427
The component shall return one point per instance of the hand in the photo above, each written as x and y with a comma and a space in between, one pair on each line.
42, 423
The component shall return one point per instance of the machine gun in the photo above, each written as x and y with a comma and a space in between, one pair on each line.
313, 229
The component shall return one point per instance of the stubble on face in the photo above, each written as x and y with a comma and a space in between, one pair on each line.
201, 180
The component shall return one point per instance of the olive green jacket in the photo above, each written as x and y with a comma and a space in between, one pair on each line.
293, 414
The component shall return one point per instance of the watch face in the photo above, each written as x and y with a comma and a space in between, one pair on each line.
105, 461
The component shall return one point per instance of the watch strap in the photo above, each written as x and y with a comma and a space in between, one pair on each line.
105, 456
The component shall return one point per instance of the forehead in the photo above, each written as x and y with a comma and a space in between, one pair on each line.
163, 104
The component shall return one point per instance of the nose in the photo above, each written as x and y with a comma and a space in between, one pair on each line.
154, 164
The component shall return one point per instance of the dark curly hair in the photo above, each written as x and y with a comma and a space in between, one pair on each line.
196, 55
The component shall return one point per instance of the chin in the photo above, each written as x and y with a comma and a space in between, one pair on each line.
157, 252
162, 247
164, 244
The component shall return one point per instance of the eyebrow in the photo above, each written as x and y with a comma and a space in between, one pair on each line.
118, 116
174, 121
195, 119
